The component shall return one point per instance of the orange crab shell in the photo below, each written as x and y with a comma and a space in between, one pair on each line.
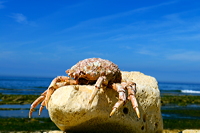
91, 69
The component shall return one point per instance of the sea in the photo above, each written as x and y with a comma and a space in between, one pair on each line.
37, 85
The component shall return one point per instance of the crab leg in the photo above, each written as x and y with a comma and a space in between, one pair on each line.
96, 88
49, 93
45, 96
36, 102
41, 107
122, 97
55, 84
131, 96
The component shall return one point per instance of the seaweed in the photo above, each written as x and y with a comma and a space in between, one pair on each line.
182, 100
45, 124
26, 124
181, 124
17, 99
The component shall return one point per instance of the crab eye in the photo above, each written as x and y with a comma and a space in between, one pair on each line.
81, 72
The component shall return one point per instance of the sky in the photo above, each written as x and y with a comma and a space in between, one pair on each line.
46, 37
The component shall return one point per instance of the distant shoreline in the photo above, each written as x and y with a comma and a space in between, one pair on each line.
53, 76
40, 124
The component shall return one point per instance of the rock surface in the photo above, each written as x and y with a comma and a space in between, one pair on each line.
190, 131
69, 109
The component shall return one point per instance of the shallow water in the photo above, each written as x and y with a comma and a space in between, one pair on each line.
177, 116
22, 114
21, 111
23, 85
15, 106
173, 115
37, 85
175, 106
179, 88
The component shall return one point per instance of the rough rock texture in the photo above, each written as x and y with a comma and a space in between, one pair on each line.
69, 109
190, 131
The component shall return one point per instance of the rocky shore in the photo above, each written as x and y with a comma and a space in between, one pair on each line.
69, 110
169, 125
164, 131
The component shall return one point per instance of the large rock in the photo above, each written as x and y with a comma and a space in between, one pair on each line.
69, 109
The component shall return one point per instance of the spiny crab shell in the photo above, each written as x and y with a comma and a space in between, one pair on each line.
89, 70
97, 71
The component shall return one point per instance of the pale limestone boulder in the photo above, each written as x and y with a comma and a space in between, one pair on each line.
69, 109
191, 131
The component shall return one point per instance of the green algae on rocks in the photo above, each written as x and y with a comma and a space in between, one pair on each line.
17, 99
181, 100
26, 124
181, 124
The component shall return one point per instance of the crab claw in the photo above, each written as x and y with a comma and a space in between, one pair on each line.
113, 111
30, 112
137, 112
122, 97
35, 103
134, 104
131, 96
120, 88
41, 107
116, 106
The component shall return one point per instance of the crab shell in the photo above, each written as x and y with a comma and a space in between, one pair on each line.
89, 70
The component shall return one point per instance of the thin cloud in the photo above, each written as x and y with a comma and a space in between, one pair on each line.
1, 4
131, 12
95, 53
192, 37
146, 52
142, 9
185, 56
100, 20
126, 47
20, 18
6, 55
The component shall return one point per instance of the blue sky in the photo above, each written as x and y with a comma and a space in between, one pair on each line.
46, 37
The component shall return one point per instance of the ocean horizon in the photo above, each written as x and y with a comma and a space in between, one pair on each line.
19, 85
36, 85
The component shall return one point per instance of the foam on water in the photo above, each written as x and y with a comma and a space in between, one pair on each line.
190, 91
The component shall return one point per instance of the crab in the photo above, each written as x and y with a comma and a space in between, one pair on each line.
92, 71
